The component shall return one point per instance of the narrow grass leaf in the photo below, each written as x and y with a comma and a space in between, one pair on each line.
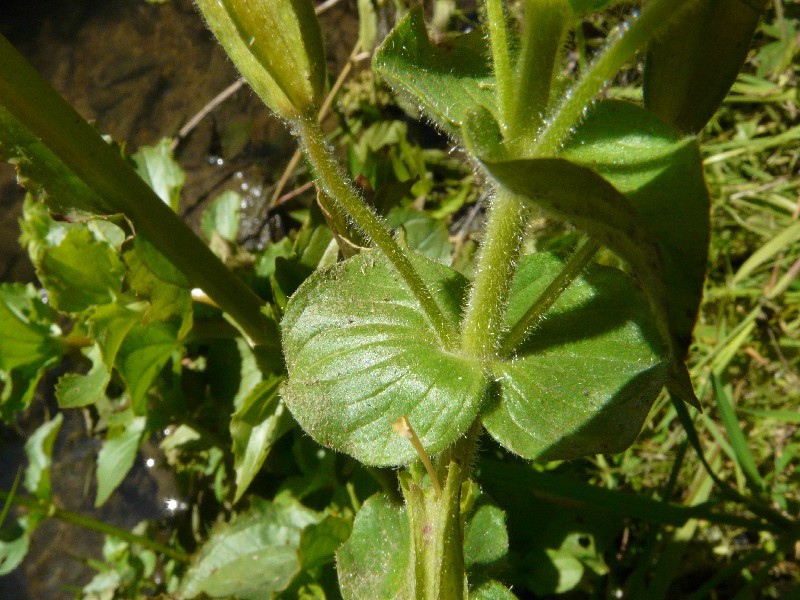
744, 458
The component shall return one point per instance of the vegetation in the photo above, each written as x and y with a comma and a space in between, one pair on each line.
379, 406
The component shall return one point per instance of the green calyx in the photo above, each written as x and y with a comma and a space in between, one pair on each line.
277, 46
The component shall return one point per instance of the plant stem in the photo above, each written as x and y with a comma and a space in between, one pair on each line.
437, 524
485, 312
347, 201
557, 287
37, 106
51, 510
656, 15
543, 32
501, 59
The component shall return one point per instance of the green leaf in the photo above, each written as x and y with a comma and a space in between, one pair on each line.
360, 354
74, 390
319, 542
222, 216
446, 80
14, 543
44, 175
374, 562
255, 555
141, 356
39, 450
30, 333
116, 457
584, 380
255, 427
73, 287
161, 172
152, 277
425, 235
485, 536
650, 206
661, 174
744, 458
690, 67
492, 590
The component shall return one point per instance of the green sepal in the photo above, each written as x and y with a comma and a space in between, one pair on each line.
277, 46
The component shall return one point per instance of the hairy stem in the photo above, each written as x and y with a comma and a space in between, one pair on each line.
557, 287
51, 510
545, 25
501, 58
656, 15
485, 313
348, 202
37, 106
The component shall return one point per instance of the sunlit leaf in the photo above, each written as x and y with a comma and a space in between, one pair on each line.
255, 427
485, 536
142, 354
222, 216
361, 353
373, 563
158, 168
254, 556
446, 80
39, 450
116, 457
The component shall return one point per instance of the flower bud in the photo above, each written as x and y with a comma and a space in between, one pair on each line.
277, 46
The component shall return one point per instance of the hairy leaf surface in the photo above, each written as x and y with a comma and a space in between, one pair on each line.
446, 80
585, 378
361, 354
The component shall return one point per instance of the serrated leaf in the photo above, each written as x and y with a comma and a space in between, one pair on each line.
39, 450
255, 427
485, 536
152, 277
30, 333
585, 378
72, 286
116, 457
447, 80
253, 557
44, 175
142, 354
690, 67
19, 385
360, 354
374, 562
156, 166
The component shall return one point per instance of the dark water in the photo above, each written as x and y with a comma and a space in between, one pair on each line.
140, 71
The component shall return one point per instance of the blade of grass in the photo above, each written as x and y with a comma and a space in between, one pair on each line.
744, 458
